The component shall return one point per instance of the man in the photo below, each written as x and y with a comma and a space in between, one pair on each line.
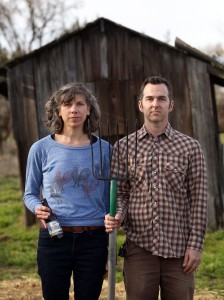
163, 209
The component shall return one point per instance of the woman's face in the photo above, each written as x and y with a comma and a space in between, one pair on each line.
75, 112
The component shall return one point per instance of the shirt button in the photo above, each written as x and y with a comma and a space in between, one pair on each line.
154, 213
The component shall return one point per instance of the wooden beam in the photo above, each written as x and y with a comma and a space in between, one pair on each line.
197, 54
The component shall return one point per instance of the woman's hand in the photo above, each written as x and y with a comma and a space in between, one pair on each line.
112, 222
42, 213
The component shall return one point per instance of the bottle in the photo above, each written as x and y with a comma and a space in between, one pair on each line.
53, 226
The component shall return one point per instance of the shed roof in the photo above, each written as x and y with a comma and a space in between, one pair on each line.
179, 44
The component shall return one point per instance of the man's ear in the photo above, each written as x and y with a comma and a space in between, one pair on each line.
171, 105
140, 105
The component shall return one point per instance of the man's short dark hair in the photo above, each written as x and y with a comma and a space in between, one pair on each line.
155, 80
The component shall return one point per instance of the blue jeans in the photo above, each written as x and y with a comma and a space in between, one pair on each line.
83, 254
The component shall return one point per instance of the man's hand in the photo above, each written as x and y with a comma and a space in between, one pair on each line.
112, 222
192, 259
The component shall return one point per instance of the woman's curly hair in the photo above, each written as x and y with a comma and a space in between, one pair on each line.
65, 95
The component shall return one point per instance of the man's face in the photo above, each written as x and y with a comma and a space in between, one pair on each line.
155, 104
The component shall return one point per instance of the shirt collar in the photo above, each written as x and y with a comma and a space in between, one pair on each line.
168, 132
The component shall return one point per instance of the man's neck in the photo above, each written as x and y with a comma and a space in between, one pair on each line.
155, 129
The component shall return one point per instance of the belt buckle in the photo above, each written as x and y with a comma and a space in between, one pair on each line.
78, 231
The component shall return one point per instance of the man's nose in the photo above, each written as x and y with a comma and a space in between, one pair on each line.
155, 102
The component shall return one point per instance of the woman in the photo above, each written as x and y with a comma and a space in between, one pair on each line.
59, 168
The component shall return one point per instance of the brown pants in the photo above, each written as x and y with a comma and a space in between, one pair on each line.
145, 275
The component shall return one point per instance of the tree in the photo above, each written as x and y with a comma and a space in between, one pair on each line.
4, 121
216, 52
3, 56
29, 24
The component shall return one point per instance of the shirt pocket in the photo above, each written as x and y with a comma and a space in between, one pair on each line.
175, 174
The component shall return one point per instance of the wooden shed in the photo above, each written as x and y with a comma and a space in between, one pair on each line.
113, 61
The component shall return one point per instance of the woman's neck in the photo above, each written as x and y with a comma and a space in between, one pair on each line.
72, 139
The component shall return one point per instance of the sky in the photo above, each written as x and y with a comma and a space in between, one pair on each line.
199, 23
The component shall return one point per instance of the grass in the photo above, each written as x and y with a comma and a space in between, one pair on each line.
18, 245
210, 274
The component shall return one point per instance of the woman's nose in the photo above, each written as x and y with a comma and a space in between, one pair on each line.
73, 107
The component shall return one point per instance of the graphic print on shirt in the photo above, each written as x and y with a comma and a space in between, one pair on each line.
60, 180
78, 178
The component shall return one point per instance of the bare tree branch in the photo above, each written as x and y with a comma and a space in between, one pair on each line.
28, 24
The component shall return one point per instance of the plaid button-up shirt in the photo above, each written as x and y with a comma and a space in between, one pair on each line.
165, 204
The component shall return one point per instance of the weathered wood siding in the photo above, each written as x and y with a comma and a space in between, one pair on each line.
113, 61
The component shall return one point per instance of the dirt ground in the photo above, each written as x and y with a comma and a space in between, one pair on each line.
30, 289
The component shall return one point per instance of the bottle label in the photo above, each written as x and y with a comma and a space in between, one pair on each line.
54, 228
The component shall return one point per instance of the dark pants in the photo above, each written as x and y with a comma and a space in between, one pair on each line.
145, 275
83, 254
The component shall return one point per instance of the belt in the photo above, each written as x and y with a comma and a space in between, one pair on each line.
80, 229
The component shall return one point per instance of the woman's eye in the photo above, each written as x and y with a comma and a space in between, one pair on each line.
80, 103
66, 104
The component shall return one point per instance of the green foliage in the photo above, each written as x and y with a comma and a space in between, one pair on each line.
120, 260
210, 274
18, 245
10, 189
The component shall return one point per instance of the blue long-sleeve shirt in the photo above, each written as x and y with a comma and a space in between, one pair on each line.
63, 175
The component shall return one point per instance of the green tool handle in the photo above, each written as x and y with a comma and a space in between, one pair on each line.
113, 197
